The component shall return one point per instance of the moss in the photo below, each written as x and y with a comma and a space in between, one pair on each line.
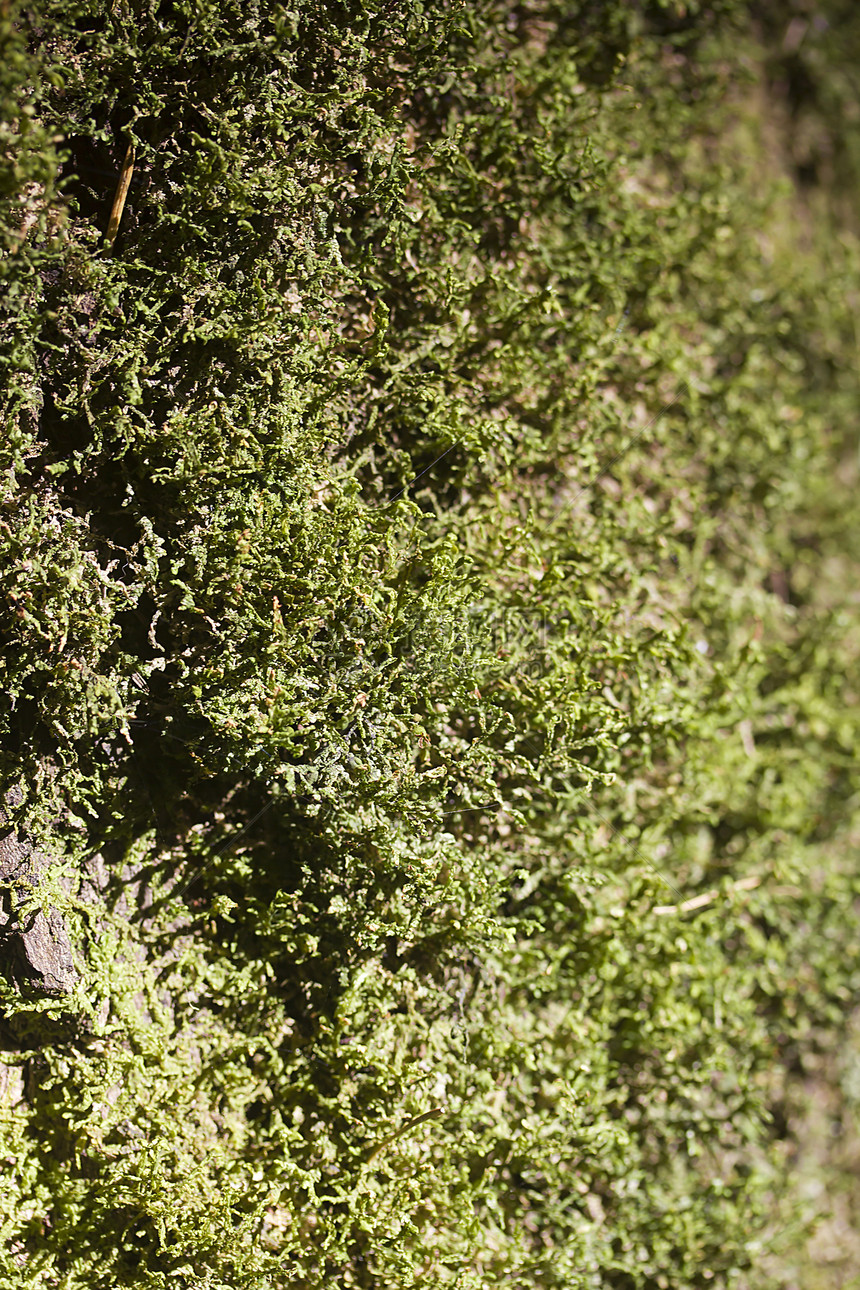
414, 656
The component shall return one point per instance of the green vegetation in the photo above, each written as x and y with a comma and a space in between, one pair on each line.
430, 689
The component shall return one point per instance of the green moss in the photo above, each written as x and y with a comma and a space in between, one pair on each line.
412, 524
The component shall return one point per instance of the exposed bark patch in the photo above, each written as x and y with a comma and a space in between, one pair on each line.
34, 948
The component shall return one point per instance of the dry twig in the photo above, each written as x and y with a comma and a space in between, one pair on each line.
698, 902
120, 196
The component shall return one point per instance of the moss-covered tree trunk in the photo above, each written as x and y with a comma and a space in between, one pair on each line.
427, 739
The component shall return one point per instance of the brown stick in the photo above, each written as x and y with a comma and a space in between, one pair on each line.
698, 902
120, 196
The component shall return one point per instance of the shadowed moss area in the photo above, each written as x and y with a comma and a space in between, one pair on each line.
430, 641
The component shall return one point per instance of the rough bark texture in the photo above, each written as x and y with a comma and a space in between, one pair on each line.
34, 948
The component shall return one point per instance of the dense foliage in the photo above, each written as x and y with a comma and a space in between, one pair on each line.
417, 655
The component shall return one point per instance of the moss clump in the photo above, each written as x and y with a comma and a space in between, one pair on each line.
414, 656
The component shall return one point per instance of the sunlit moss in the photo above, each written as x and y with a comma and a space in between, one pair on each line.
412, 645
